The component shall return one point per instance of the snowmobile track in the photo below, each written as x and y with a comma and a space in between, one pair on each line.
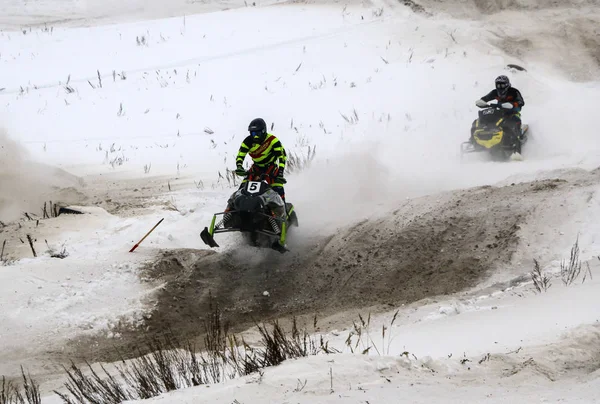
430, 246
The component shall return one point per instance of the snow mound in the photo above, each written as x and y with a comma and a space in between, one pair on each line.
521, 377
474, 7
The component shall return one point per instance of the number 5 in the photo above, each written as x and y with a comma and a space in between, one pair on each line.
253, 187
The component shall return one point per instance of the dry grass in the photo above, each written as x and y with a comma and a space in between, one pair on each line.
352, 119
297, 163
28, 392
540, 280
570, 271
362, 334
173, 364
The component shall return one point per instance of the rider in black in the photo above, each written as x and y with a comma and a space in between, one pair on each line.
505, 94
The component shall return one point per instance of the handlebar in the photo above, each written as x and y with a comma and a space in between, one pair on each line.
494, 105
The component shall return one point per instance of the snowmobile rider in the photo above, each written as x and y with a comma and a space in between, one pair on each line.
507, 96
268, 156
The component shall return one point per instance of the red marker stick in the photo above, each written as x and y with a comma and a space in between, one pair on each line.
147, 234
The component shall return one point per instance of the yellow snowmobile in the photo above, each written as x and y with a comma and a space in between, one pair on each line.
491, 136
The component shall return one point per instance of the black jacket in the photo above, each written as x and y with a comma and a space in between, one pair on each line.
512, 95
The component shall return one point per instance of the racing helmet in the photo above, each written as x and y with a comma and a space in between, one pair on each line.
502, 85
258, 130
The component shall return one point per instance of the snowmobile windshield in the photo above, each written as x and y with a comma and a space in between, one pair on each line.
272, 198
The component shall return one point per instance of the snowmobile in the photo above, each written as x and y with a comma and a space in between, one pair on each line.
258, 211
490, 136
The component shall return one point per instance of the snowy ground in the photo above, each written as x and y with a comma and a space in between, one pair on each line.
15, 14
385, 99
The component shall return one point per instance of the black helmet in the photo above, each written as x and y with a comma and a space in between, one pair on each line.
258, 129
502, 85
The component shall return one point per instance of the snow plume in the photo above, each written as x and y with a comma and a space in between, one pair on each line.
13, 178
414, 155
24, 184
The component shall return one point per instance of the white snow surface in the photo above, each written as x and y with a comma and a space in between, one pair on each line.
101, 90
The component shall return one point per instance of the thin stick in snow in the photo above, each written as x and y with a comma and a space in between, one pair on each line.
451, 35
31, 245
300, 386
147, 234
589, 271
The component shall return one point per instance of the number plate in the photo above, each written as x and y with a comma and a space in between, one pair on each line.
253, 187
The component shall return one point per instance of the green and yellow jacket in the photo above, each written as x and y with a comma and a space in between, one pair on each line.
263, 154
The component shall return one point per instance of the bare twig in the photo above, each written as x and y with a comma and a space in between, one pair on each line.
300, 386
451, 35
31, 245
587, 272
172, 205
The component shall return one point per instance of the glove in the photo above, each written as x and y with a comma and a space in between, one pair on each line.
507, 105
280, 179
481, 103
240, 171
